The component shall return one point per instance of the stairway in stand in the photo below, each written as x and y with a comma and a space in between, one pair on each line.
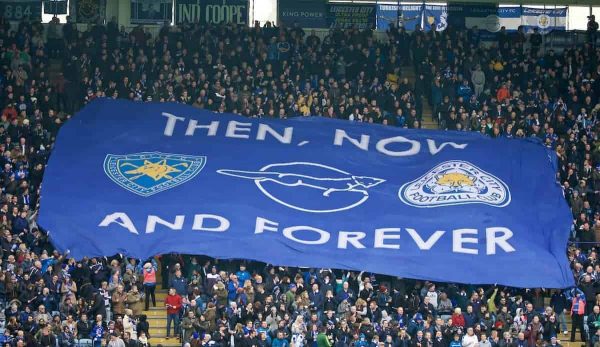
427, 123
157, 318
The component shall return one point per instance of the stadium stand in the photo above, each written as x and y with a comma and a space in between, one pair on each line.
445, 79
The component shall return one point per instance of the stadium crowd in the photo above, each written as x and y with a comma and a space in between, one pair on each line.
516, 88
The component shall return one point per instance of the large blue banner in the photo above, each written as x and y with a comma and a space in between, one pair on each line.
147, 178
408, 17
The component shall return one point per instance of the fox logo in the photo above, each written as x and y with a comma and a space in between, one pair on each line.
293, 184
453, 182
455, 179
327, 184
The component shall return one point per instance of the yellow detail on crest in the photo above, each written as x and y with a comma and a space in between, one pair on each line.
455, 179
156, 171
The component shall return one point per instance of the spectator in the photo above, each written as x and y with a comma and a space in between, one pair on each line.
173, 303
577, 312
119, 300
470, 339
149, 284
592, 30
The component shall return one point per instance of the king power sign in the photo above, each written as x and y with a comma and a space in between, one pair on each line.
212, 11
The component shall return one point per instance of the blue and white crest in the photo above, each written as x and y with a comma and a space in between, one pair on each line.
455, 182
148, 173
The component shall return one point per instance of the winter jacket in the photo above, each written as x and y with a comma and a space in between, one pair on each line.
118, 301
135, 302
97, 332
180, 285
458, 320
174, 303
478, 77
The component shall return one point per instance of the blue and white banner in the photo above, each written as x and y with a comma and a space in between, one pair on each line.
487, 17
436, 18
306, 13
148, 178
492, 18
544, 20
344, 16
408, 17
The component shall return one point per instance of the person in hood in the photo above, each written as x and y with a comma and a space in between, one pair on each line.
416, 324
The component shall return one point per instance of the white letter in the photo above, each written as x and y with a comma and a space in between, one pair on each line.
261, 225
120, 218
199, 223
340, 135
234, 126
458, 240
350, 237
193, 125
433, 149
492, 240
153, 220
263, 129
171, 123
380, 237
414, 149
425, 245
323, 235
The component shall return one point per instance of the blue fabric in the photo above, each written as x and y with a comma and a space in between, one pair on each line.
346, 16
410, 16
545, 20
444, 206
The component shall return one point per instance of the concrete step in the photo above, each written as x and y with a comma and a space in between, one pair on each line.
170, 343
160, 330
566, 343
157, 322
161, 295
155, 313
163, 335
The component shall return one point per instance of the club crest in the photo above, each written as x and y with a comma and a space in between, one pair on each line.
455, 183
148, 173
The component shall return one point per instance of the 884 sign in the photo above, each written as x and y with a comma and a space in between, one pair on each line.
18, 10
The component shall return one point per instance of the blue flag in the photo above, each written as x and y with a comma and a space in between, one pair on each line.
408, 16
148, 178
545, 20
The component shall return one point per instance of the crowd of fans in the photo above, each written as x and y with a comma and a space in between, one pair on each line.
515, 88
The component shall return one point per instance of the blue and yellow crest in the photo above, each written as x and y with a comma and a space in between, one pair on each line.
148, 173
455, 182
